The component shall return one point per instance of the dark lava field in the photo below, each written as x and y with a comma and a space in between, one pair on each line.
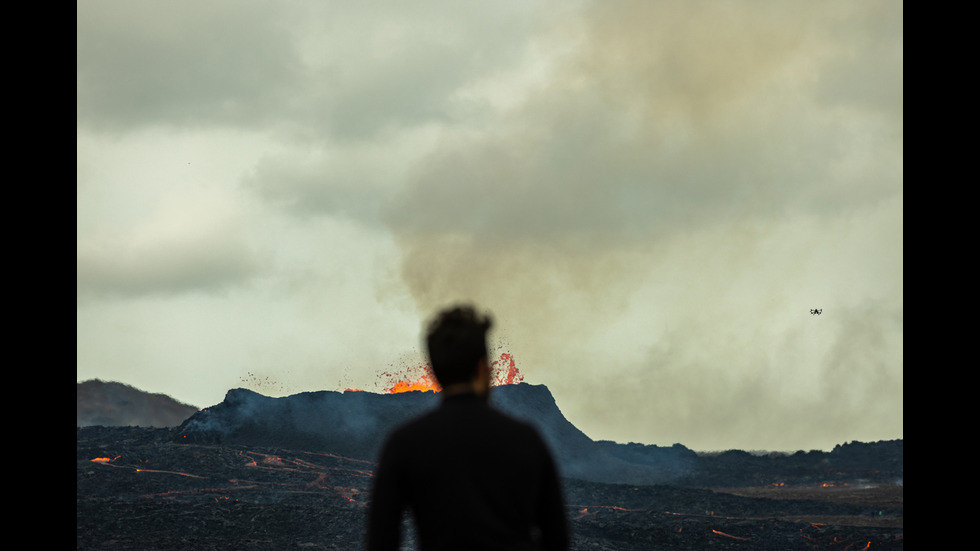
150, 489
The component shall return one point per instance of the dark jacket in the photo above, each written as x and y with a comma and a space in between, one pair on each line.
473, 478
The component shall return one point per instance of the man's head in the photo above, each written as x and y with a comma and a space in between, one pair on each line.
457, 343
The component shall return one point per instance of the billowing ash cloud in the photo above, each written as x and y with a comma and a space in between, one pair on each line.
314, 71
656, 220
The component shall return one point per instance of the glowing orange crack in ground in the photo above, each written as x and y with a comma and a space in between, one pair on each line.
720, 533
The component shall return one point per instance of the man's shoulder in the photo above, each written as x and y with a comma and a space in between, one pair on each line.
517, 429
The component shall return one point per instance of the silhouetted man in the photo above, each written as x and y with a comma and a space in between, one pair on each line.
472, 478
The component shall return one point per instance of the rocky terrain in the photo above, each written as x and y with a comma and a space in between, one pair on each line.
259, 473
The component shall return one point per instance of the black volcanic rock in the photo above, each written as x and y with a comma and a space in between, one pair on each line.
887, 455
874, 462
351, 423
674, 461
117, 404
149, 489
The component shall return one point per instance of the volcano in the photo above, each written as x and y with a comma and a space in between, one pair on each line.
354, 424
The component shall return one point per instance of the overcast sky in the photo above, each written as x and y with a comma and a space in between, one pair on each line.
649, 197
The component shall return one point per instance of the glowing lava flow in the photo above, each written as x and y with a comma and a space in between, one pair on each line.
105, 460
720, 533
585, 512
319, 472
108, 461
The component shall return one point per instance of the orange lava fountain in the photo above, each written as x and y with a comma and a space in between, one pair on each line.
419, 378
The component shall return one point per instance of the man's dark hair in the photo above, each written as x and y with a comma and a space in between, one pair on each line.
457, 339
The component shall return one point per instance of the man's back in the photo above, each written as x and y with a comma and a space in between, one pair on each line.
473, 478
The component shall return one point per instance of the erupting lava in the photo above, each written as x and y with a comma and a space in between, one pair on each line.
425, 383
511, 377
503, 371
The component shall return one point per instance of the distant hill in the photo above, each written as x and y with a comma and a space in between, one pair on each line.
110, 403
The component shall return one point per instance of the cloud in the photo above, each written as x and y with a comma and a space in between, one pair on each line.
182, 64
866, 71
353, 181
318, 71
196, 244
